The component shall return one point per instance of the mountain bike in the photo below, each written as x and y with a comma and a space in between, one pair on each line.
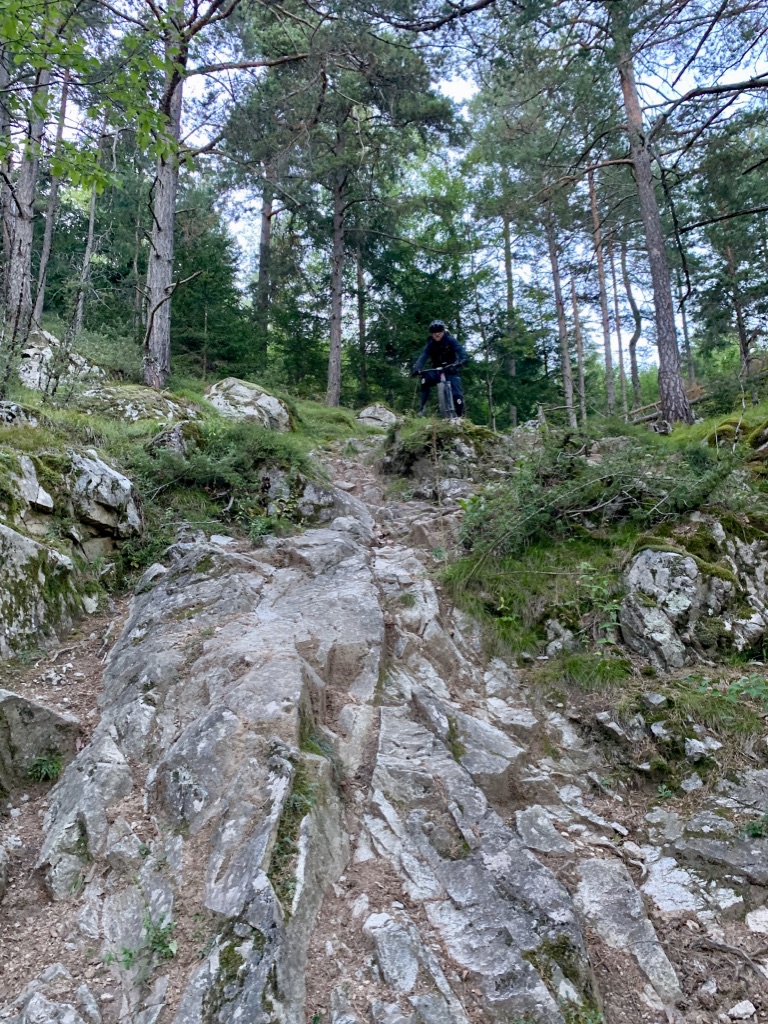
437, 377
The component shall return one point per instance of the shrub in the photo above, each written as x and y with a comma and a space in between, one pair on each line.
561, 491
45, 768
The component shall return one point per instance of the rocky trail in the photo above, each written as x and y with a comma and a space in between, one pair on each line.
309, 797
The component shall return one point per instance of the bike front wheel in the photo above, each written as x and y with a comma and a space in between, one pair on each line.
445, 400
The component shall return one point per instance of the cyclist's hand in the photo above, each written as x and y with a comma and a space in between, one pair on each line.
415, 373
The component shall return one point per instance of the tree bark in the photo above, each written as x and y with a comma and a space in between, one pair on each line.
52, 208
637, 398
157, 338
745, 354
333, 394
85, 271
264, 278
610, 388
362, 330
21, 219
562, 326
691, 371
582, 390
5, 167
617, 320
675, 407
510, 290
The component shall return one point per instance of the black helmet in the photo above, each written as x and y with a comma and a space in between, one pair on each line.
436, 325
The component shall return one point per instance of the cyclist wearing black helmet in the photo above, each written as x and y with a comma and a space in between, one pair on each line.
443, 350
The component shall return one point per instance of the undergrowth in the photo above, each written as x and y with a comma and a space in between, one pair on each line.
554, 539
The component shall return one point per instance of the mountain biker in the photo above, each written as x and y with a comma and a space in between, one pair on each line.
443, 350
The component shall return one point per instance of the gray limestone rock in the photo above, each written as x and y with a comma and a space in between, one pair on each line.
103, 498
666, 595
38, 591
29, 730
609, 902
341, 1012
377, 415
243, 400
746, 857
3, 871
538, 833
43, 359
397, 952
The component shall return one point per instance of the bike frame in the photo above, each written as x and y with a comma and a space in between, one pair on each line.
444, 391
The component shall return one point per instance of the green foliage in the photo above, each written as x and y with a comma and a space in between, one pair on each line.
586, 671
573, 579
159, 939
45, 768
560, 491
757, 829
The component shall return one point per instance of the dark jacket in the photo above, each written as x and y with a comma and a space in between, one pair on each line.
442, 353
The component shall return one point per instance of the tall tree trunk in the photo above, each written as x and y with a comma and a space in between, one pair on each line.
22, 216
5, 169
745, 354
675, 406
691, 371
617, 320
138, 292
52, 208
85, 271
610, 388
562, 326
261, 309
510, 290
333, 393
157, 338
582, 389
362, 330
637, 398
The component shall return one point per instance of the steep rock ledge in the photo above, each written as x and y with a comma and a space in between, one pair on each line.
312, 798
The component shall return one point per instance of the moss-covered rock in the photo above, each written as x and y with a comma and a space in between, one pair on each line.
38, 591
132, 402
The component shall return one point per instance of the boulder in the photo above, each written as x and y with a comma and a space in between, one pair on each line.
14, 415
103, 498
242, 400
377, 416
133, 402
43, 358
38, 591
667, 595
29, 487
29, 730
609, 902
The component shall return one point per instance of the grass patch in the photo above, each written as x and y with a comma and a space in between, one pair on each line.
726, 708
576, 580
588, 671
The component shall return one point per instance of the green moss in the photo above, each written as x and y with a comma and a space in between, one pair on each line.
298, 804
453, 740
560, 952
230, 962
712, 634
